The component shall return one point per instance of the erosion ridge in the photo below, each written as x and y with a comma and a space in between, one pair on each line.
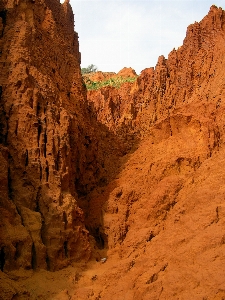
51, 150
133, 174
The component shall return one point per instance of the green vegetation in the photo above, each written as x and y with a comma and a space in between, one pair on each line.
90, 69
113, 82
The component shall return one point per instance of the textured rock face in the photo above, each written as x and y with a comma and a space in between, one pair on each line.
48, 150
163, 216
193, 71
157, 213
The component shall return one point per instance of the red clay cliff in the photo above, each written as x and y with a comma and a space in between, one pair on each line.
132, 174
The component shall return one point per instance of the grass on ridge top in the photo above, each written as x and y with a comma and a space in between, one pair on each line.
114, 82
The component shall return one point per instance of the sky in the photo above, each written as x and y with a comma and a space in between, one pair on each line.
133, 33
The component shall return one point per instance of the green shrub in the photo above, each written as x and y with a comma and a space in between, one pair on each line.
114, 82
90, 69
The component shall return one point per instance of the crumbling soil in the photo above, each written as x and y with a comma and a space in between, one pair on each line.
115, 193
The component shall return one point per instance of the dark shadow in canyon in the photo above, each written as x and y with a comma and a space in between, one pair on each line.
115, 155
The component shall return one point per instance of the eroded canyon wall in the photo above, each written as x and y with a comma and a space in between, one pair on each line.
163, 216
157, 212
48, 146
193, 71
182, 98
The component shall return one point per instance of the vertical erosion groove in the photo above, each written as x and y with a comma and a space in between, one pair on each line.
34, 258
18, 247
10, 190
48, 263
47, 171
3, 14
65, 220
45, 143
65, 246
26, 158
39, 133
3, 122
2, 258
16, 128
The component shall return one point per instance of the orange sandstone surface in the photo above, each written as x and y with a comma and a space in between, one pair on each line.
111, 193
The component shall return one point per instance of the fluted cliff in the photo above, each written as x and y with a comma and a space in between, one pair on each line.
193, 71
48, 146
133, 175
164, 213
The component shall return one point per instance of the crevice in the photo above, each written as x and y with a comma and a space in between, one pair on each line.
18, 212
65, 247
170, 128
18, 84
26, 158
39, 132
44, 241
47, 262
119, 194
45, 143
47, 171
43, 230
57, 162
31, 102
40, 172
16, 129
34, 258
100, 237
87, 141
57, 118
155, 276
3, 121
152, 279
3, 14
151, 236
164, 267
217, 215
2, 258
127, 214
2, 127
18, 252
132, 263
10, 190
37, 206
65, 220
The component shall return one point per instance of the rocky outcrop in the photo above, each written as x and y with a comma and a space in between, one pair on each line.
192, 71
163, 216
138, 168
49, 147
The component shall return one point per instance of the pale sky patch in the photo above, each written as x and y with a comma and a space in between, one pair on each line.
133, 33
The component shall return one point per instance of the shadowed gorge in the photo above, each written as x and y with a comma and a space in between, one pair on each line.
115, 192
